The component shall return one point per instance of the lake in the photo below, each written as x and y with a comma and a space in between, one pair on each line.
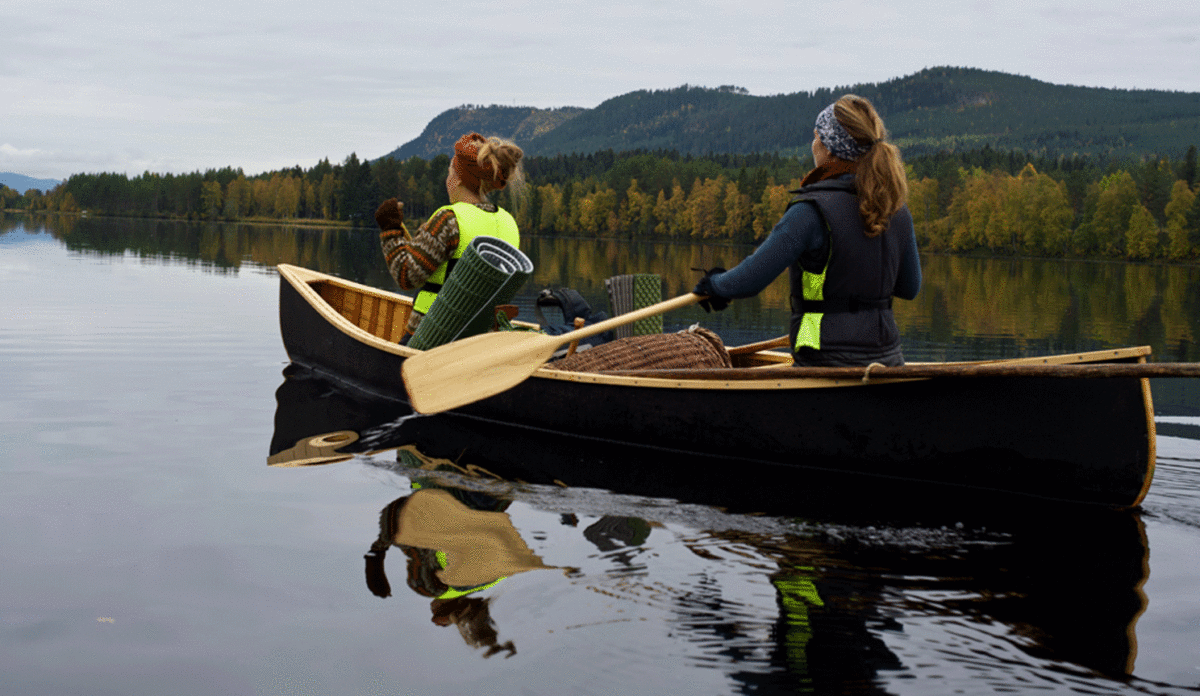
148, 548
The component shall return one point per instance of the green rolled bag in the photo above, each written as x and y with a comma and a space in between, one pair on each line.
489, 273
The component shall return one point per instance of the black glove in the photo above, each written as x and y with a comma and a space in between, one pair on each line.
713, 301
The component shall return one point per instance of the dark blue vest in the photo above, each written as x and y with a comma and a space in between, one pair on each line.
842, 293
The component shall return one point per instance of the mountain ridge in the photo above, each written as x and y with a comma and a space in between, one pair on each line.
935, 109
21, 183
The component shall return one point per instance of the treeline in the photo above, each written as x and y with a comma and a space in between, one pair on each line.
1004, 203
327, 192
987, 201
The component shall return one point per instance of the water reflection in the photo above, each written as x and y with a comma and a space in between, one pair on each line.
456, 543
864, 592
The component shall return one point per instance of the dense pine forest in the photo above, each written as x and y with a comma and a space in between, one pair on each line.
979, 201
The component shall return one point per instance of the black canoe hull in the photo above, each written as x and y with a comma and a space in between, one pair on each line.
1083, 440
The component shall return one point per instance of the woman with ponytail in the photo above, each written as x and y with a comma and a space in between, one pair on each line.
847, 240
422, 261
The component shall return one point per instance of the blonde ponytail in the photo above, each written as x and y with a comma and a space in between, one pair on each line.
504, 158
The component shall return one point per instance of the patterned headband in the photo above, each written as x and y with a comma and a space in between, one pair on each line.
835, 137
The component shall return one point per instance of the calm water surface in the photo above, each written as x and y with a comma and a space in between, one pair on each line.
148, 548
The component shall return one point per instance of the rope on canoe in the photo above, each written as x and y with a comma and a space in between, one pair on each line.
867, 372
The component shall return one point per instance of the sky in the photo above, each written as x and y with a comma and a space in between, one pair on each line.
92, 86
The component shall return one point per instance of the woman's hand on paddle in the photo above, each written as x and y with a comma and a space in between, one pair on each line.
713, 302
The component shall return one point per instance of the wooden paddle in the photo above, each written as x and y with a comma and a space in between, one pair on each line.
474, 368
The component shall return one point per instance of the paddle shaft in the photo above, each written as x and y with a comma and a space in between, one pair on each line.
629, 317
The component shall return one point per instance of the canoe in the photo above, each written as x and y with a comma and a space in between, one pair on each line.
1025, 426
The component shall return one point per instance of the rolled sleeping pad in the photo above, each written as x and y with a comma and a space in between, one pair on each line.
489, 273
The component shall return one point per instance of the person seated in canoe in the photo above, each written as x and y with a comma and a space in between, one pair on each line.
422, 261
847, 242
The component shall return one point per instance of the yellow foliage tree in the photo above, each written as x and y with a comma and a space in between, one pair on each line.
595, 208
210, 199
550, 200
1182, 199
238, 195
737, 212
704, 207
769, 209
1141, 235
923, 204
670, 212
287, 196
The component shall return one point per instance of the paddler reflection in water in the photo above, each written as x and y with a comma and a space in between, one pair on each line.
457, 543
422, 261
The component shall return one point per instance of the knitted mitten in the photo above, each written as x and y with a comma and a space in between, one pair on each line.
390, 215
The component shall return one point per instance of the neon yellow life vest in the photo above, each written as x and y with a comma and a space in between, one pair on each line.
472, 222
813, 288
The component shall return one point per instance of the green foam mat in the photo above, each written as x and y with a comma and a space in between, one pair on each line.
629, 292
490, 273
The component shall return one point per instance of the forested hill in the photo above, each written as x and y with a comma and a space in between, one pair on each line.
520, 123
937, 109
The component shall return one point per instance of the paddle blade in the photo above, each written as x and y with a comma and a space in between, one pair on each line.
474, 368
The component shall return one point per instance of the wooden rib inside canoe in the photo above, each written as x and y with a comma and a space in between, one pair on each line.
377, 314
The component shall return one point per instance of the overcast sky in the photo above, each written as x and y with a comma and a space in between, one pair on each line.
171, 86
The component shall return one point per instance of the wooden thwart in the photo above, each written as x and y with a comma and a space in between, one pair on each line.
780, 342
917, 371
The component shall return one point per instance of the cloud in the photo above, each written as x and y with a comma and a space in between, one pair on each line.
175, 86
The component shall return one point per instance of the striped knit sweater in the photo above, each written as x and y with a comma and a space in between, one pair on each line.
412, 259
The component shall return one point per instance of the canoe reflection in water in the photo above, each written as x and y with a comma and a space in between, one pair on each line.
865, 591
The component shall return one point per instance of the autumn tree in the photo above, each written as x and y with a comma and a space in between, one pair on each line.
737, 221
669, 210
1115, 197
1193, 222
974, 212
703, 211
1141, 234
1182, 199
210, 199
238, 196
767, 211
637, 210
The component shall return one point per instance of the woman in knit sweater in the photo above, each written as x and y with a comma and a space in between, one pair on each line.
422, 261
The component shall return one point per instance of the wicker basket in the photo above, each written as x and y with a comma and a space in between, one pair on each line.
694, 348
